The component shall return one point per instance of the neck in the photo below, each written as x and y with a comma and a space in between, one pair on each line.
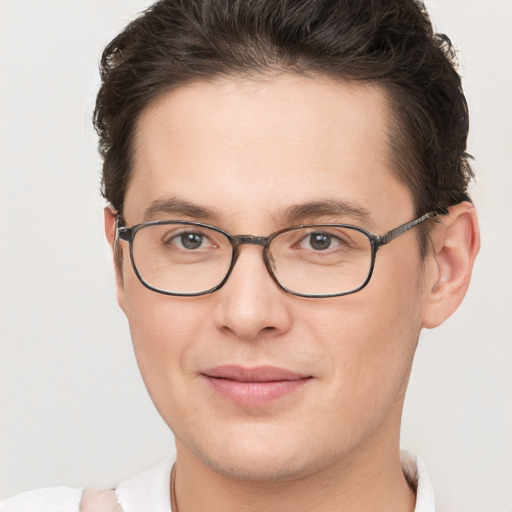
366, 481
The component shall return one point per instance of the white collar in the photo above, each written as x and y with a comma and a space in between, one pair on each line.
416, 473
151, 490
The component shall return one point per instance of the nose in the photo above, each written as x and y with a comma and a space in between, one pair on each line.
251, 305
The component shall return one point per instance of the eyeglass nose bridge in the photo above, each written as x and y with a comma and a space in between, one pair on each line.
250, 240
263, 241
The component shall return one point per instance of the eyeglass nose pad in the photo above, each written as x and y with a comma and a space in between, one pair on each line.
234, 259
270, 261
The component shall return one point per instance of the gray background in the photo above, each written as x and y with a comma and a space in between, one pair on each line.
73, 409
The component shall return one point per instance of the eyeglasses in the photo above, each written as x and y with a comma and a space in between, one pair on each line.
184, 258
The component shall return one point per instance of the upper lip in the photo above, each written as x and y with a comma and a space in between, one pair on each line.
257, 374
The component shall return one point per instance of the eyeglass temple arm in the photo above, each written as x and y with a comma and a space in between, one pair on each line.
122, 233
118, 225
400, 230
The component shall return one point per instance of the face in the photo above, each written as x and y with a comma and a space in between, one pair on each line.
246, 153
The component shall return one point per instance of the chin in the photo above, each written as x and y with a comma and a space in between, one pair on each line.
257, 469
259, 458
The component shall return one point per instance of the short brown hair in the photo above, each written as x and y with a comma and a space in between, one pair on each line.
387, 42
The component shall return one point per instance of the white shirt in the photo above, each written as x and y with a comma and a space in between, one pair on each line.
150, 491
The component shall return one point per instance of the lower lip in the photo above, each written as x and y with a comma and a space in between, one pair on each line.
254, 394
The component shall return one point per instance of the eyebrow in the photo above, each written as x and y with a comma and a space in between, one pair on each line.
294, 214
328, 208
175, 206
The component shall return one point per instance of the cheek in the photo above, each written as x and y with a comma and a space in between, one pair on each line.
369, 339
163, 330
396, 316
159, 324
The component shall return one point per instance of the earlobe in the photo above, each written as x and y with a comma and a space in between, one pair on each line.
110, 216
456, 242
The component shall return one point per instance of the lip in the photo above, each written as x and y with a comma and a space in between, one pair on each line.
254, 387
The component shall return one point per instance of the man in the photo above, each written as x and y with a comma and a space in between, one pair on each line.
288, 208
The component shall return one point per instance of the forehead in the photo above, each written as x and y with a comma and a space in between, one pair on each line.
253, 147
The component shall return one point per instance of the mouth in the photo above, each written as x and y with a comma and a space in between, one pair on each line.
254, 387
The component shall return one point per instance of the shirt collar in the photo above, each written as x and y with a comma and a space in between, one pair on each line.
417, 475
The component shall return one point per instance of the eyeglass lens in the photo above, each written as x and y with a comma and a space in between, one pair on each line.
190, 259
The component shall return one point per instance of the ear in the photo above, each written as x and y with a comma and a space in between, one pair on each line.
455, 242
110, 217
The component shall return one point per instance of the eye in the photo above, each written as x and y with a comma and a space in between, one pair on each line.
191, 240
320, 241
187, 240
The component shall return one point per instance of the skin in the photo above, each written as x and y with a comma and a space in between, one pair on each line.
247, 150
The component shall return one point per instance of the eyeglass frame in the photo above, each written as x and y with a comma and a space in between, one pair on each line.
376, 241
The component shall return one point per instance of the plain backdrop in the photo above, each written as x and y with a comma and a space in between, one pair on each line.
73, 409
